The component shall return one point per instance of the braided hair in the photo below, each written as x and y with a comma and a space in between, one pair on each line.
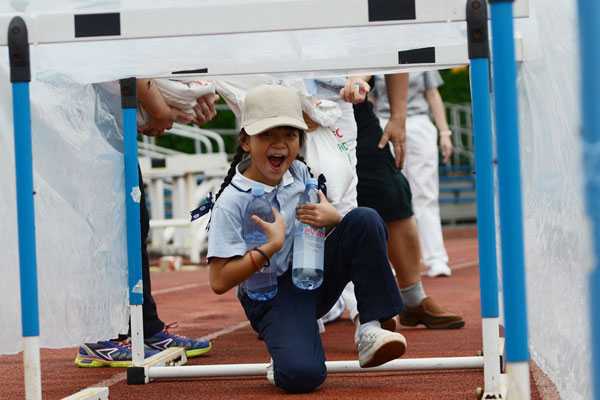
240, 153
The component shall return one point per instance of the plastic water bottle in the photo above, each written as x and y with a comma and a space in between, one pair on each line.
262, 285
309, 245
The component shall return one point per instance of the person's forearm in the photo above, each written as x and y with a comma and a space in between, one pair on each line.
437, 109
365, 78
225, 274
397, 91
152, 100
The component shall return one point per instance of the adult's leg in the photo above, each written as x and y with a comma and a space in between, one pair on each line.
404, 251
288, 324
421, 170
356, 251
152, 324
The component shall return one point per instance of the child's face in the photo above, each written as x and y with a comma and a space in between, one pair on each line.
271, 152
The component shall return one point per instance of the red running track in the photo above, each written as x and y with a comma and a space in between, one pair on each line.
185, 297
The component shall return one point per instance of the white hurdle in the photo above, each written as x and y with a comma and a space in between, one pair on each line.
414, 364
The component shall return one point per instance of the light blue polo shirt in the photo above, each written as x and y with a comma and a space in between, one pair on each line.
225, 238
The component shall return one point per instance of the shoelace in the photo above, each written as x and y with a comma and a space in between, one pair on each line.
172, 325
125, 343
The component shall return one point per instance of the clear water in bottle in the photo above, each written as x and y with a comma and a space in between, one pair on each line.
309, 246
262, 285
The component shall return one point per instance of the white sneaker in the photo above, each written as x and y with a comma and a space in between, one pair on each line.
378, 346
271, 373
389, 325
439, 269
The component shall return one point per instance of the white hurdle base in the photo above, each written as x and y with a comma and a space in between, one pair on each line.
192, 371
32, 367
518, 380
91, 393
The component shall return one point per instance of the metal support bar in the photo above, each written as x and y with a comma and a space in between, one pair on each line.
132, 208
477, 34
20, 76
509, 182
589, 32
191, 371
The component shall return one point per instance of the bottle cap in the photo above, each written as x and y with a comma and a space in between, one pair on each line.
258, 190
312, 182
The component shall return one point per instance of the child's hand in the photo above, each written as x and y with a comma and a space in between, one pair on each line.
275, 231
321, 215
205, 108
356, 90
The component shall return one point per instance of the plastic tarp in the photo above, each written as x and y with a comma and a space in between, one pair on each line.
79, 213
78, 175
556, 232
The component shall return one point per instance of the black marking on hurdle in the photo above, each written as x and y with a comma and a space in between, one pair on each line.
191, 71
426, 55
90, 25
391, 10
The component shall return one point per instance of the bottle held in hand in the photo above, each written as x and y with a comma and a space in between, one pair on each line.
309, 245
262, 285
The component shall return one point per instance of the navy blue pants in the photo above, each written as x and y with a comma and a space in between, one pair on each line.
355, 251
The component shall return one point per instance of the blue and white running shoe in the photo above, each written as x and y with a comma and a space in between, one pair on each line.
163, 340
107, 354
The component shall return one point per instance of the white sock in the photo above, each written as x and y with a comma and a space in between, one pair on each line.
350, 300
363, 327
413, 295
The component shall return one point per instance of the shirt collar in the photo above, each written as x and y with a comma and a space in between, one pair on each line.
245, 184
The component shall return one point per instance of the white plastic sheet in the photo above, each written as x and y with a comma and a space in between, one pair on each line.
557, 238
79, 213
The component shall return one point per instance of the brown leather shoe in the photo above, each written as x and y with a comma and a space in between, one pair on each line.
432, 315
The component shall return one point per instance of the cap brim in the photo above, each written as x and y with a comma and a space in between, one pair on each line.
264, 124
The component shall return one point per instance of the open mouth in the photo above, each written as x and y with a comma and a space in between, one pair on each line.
276, 161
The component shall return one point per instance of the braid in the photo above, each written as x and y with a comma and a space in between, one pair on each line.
301, 159
236, 160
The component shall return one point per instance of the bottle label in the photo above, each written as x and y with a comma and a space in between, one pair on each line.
310, 231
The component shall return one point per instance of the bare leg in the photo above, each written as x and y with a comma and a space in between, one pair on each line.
404, 251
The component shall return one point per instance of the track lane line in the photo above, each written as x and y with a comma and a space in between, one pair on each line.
179, 288
454, 267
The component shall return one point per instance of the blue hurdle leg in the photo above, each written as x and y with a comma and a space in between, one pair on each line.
20, 76
477, 33
589, 32
509, 182
132, 200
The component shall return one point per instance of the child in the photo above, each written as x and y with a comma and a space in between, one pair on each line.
355, 248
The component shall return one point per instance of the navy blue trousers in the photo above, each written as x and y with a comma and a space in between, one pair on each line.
355, 251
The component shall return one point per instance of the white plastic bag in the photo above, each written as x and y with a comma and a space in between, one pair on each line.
325, 150
326, 154
178, 94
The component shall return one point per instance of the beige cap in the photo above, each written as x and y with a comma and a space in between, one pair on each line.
268, 106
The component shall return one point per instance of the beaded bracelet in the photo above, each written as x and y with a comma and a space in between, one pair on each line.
445, 133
